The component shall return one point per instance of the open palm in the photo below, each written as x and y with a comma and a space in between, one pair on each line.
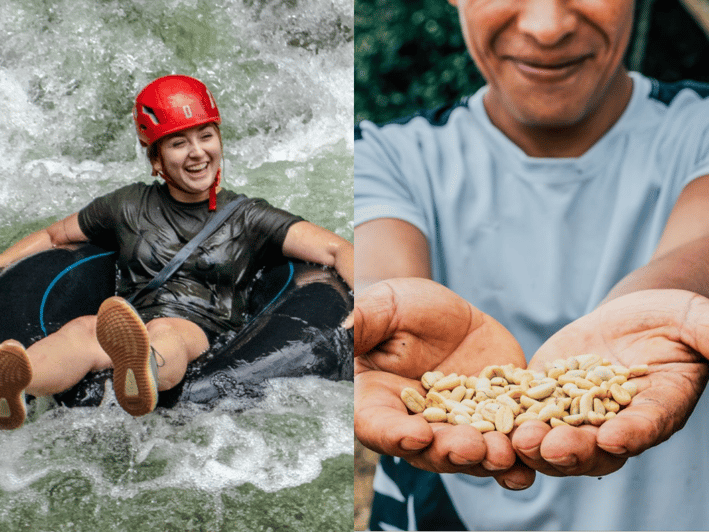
666, 329
403, 328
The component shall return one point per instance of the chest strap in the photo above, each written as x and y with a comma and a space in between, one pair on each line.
181, 256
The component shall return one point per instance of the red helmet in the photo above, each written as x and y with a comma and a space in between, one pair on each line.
170, 104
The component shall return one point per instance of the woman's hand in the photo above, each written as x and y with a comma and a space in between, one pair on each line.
312, 243
403, 328
666, 329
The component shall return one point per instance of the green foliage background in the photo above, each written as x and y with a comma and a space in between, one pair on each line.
410, 54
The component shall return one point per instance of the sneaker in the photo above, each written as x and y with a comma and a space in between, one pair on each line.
15, 376
124, 338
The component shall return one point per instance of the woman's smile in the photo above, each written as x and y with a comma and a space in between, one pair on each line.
190, 161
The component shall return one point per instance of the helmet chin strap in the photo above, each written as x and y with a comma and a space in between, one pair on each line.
212, 189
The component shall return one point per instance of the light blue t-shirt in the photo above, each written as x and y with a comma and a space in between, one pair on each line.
537, 243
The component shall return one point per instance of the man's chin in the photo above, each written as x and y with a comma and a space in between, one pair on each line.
550, 119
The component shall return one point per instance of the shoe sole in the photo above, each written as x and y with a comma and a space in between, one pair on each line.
124, 337
15, 376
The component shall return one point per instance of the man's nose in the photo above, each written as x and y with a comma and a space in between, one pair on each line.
548, 22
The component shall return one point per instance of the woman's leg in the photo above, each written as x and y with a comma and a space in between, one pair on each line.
178, 342
145, 358
56, 363
49, 366
62, 359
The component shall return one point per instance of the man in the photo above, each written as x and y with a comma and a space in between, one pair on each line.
567, 202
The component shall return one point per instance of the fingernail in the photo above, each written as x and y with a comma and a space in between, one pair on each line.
563, 461
514, 485
614, 449
530, 452
410, 444
456, 459
491, 467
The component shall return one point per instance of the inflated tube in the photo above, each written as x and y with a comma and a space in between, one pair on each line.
295, 312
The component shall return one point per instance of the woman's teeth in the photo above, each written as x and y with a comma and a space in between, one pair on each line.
197, 168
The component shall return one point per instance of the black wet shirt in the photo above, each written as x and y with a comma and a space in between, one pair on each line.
147, 227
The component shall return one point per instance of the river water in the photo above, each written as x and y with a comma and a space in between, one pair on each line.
281, 72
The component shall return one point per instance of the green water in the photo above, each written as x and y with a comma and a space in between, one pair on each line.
315, 506
281, 72
266, 468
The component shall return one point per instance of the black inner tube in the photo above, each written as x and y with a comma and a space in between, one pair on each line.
295, 310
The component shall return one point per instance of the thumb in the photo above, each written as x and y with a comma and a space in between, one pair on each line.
372, 317
413, 304
348, 323
695, 329
687, 313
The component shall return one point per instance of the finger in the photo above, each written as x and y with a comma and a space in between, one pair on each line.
570, 450
390, 432
462, 445
573, 451
382, 422
563, 450
518, 477
500, 455
527, 442
635, 429
657, 412
454, 449
479, 454
405, 305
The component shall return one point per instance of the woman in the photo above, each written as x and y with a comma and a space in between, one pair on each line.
150, 343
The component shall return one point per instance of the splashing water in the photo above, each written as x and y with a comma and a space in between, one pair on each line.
281, 72
279, 465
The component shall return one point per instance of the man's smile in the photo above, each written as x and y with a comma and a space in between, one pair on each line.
546, 70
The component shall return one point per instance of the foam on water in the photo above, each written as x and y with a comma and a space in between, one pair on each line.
281, 72
279, 442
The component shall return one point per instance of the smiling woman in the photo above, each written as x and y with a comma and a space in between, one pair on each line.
178, 121
150, 342
189, 162
280, 73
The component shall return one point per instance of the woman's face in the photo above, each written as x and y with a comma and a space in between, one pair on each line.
190, 160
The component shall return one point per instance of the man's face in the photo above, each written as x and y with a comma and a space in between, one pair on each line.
548, 63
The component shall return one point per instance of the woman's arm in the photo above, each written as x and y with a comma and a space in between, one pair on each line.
63, 232
309, 242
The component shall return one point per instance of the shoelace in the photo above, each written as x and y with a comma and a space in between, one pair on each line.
156, 354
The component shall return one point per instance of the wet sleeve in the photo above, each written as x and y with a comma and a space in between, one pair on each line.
100, 219
268, 225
